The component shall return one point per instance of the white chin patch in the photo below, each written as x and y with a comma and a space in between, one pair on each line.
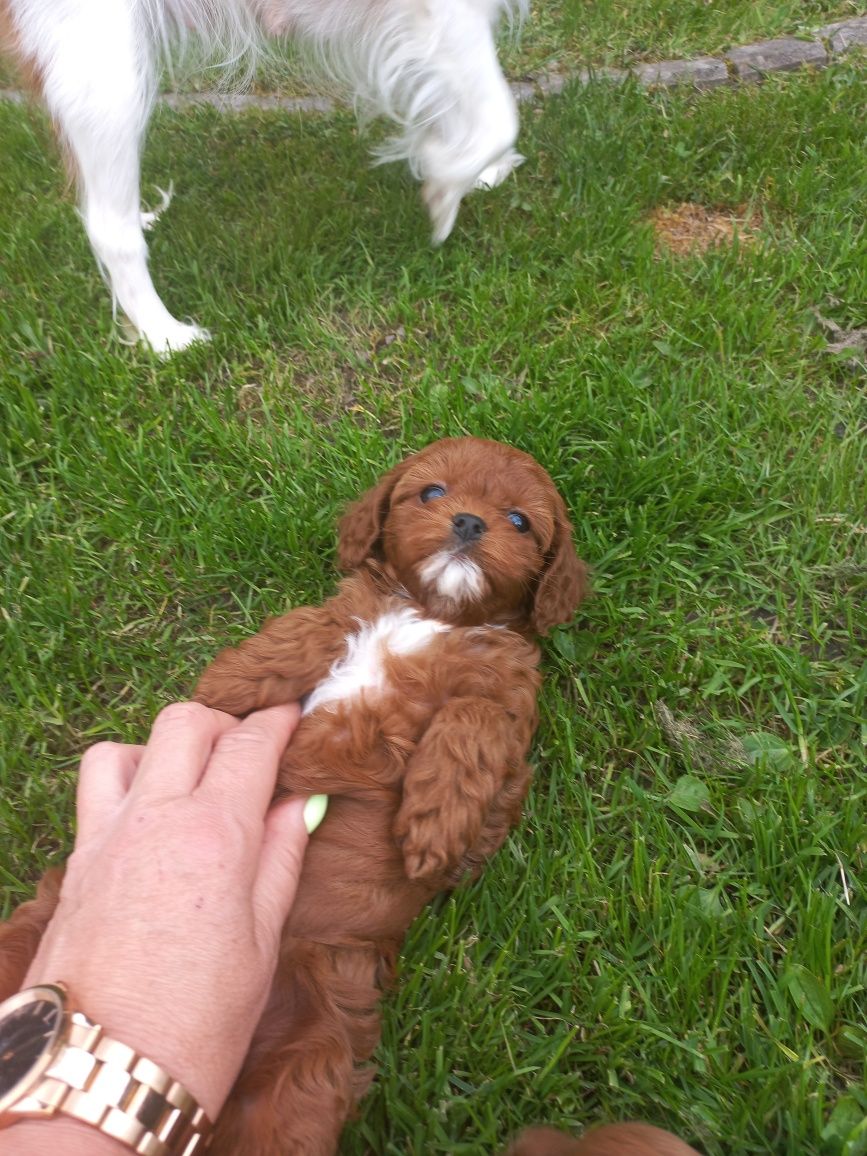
453, 576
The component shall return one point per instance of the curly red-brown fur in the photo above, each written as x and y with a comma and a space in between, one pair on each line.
20, 935
610, 1140
421, 745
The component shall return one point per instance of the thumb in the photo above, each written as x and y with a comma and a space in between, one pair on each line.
283, 847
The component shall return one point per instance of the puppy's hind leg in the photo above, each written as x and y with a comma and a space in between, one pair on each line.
95, 62
302, 1074
20, 935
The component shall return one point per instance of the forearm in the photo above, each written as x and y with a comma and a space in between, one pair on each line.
57, 1135
166, 935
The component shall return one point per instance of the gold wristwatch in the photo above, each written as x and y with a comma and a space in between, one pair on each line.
54, 1059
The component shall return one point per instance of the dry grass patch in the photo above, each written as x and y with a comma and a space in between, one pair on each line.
691, 228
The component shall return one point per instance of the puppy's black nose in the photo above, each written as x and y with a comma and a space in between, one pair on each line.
467, 527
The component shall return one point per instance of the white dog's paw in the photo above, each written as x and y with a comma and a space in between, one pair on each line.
442, 202
179, 337
498, 170
149, 219
166, 339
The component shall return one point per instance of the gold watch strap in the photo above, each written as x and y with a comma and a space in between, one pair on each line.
106, 1084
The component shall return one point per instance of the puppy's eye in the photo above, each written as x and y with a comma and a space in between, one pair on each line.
430, 493
519, 521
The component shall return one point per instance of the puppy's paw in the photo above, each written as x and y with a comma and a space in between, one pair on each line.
432, 846
423, 863
542, 1142
227, 685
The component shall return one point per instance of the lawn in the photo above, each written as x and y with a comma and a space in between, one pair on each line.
677, 932
613, 32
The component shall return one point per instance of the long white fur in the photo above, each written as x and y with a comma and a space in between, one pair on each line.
429, 65
362, 668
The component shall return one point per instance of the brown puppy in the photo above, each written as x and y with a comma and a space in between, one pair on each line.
419, 681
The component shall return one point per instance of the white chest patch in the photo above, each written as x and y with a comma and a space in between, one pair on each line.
363, 666
454, 577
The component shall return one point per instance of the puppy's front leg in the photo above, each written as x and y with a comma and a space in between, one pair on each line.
467, 755
281, 663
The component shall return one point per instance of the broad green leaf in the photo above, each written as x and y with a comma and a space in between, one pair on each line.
564, 643
809, 996
689, 794
762, 745
845, 1134
704, 901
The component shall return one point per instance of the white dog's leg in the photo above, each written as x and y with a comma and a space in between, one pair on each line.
97, 74
467, 142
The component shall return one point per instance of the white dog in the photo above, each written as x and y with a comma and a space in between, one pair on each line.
430, 65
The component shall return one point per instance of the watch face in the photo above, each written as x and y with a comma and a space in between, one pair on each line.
27, 1034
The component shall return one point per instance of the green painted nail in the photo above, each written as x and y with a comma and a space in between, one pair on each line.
314, 812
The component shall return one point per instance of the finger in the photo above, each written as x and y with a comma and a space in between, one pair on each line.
104, 778
280, 865
180, 744
242, 770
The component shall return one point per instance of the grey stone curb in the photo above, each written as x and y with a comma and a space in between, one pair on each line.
749, 63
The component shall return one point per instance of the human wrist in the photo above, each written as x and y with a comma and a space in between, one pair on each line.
57, 1134
58, 1065
138, 1021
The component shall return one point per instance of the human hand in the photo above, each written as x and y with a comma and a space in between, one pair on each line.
169, 920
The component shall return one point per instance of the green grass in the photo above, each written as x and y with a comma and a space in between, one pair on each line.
677, 931
575, 32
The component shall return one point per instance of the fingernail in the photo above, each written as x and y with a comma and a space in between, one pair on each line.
314, 812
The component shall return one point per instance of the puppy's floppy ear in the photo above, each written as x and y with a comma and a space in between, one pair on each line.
564, 582
361, 526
